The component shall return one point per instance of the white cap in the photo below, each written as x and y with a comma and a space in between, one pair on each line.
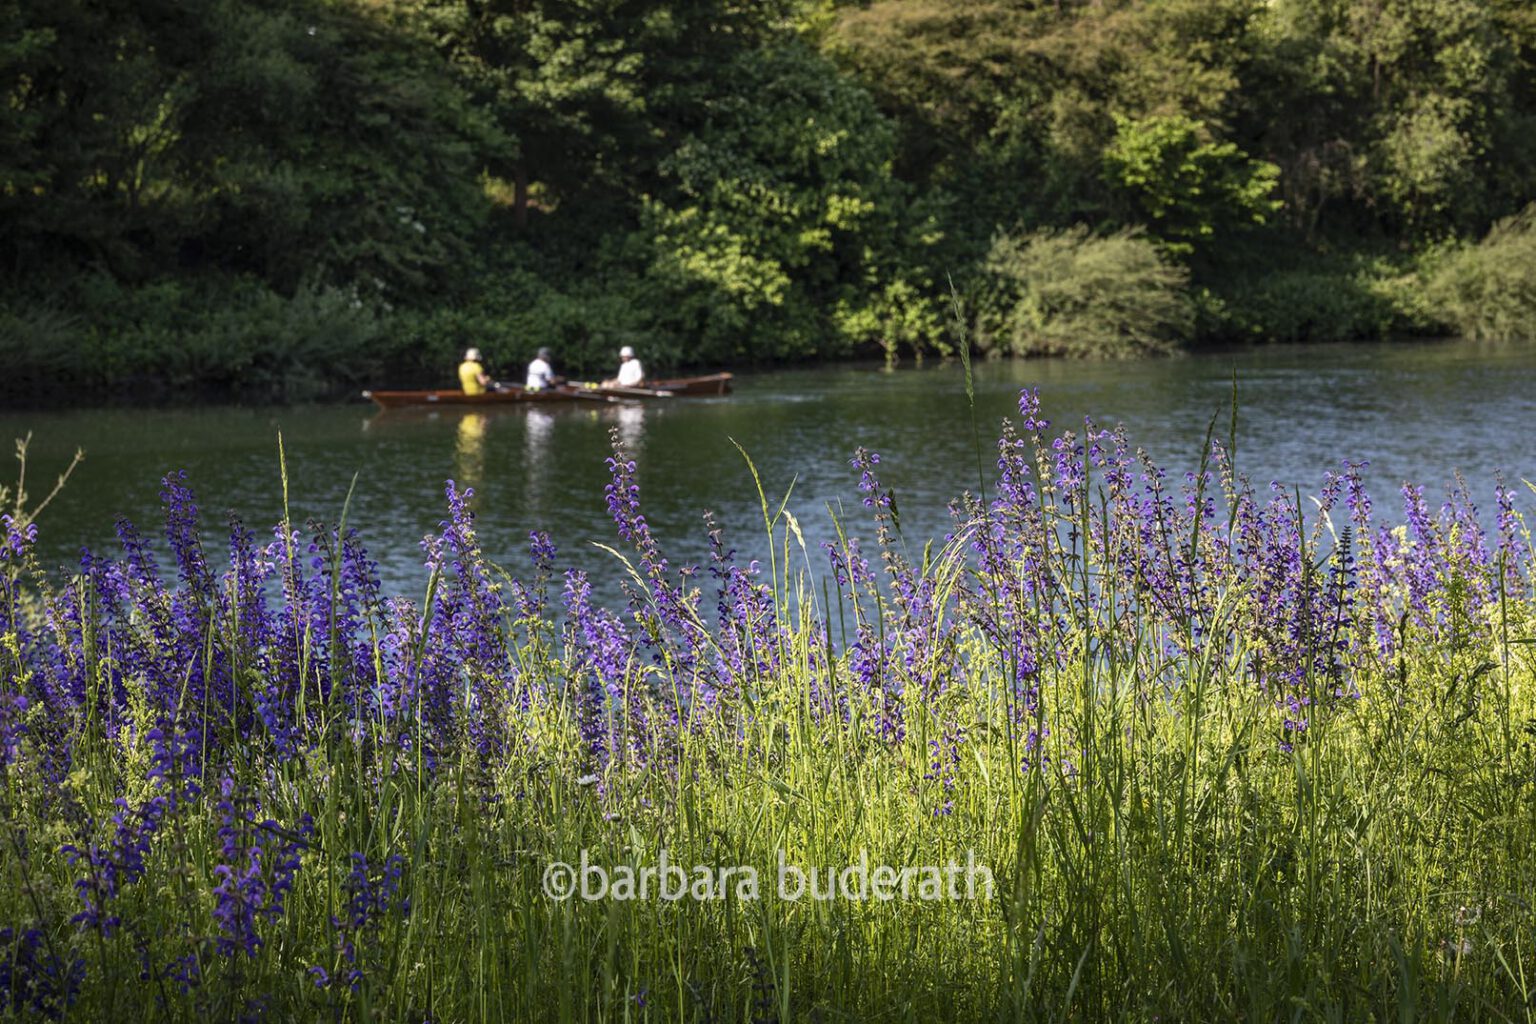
472, 356
626, 353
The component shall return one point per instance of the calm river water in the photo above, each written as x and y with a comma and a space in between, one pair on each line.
1417, 412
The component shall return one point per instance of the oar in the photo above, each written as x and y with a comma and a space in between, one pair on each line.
620, 389
590, 396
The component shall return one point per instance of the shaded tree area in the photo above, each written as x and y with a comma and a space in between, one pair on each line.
1304, 159
301, 196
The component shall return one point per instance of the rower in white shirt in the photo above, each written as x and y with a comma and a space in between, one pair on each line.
541, 374
631, 373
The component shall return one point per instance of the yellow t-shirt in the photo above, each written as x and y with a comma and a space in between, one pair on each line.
469, 378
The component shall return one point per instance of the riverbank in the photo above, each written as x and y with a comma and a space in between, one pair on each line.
207, 340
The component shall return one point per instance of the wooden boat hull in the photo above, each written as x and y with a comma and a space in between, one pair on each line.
713, 384
458, 399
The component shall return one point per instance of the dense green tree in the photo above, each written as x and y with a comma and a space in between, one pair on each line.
1012, 105
1391, 108
593, 92
777, 210
24, 53
305, 142
1190, 190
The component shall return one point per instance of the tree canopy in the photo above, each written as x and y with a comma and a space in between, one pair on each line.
730, 181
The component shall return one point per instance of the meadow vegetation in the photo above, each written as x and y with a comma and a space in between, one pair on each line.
1228, 753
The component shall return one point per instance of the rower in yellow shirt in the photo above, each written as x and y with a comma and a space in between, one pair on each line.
472, 374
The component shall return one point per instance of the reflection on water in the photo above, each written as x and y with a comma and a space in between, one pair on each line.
540, 426
469, 450
1416, 412
538, 438
629, 417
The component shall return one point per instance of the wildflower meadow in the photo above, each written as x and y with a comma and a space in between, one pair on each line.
1225, 752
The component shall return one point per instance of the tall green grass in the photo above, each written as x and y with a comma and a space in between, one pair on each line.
1158, 855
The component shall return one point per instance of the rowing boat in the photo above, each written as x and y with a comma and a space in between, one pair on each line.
713, 384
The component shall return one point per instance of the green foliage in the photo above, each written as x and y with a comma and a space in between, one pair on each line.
1301, 305
721, 181
1488, 291
779, 209
1190, 190
1012, 106
1402, 115
303, 144
1071, 293
217, 338
900, 317
1325, 297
